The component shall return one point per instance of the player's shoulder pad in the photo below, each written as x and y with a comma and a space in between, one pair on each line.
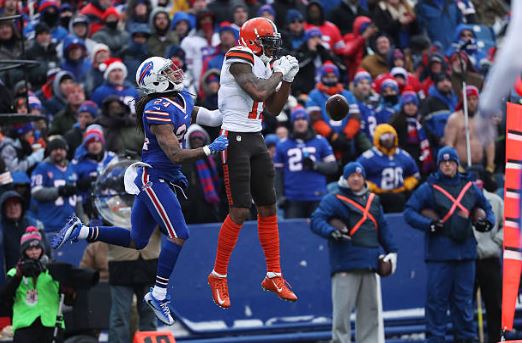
240, 53
368, 153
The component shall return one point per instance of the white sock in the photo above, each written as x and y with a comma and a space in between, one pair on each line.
159, 292
218, 275
84, 232
271, 275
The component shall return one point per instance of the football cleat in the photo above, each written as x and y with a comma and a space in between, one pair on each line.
160, 307
279, 286
219, 288
68, 233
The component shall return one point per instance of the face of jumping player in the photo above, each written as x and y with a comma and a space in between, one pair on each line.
448, 168
355, 182
58, 155
300, 125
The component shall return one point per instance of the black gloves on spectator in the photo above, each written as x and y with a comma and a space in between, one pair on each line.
483, 225
85, 183
67, 190
436, 226
308, 163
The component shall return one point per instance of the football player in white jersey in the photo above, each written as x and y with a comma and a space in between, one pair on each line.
250, 86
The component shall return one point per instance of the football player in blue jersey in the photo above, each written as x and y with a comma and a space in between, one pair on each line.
163, 114
302, 162
390, 171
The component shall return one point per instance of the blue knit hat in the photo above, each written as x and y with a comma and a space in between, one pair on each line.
313, 32
353, 167
409, 97
447, 154
299, 113
389, 83
329, 67
362, 75
293, 15
271, 139
89, 106
266, 8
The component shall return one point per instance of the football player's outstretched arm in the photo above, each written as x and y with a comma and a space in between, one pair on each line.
276, 102
203, 116
258, 89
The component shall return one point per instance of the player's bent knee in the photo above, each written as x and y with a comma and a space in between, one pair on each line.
138, 245
267, 211
239, 214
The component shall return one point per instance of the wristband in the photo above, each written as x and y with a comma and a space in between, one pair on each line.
207, 151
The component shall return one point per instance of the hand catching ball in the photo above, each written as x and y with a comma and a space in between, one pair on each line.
337, 107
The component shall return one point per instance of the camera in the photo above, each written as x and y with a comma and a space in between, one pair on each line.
31, 267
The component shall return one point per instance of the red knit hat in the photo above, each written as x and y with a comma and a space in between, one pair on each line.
110, 11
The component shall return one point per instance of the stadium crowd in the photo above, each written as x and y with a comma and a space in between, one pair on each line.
399, 63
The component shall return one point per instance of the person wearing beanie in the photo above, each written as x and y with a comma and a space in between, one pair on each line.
54, 187
162, 37
32, 292
115, 83
49, 14
99, 56
44, 50
65, 119
302, 163
241, 14
389, 105
87, 113
293, 36
228, 38
467, 72
351, 218
16, 150
75, 57
412, 136
266, 11
316, 17
89, 159
482, 157
111, 35
136, 50
391, 172
443, 208
367, 101
356, 43
210, 87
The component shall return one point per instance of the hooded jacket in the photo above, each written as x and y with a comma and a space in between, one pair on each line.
363, 250
57, 101
78, 68
355, 46
331, 34
474, 52
343, 16
157, 44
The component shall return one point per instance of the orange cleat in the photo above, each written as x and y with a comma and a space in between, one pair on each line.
279, 286
219, 288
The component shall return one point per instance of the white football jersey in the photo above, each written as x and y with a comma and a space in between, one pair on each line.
240, 112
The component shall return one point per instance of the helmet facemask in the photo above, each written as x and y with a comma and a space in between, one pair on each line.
270, 46
174, 75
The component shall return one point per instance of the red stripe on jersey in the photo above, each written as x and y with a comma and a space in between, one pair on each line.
241, 55
158, 119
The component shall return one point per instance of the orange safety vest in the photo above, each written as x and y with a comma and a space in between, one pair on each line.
365, 211
456, 202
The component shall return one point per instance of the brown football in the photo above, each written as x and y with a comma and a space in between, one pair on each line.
478, 214
337, 107
428, 212
384, 268
337, 223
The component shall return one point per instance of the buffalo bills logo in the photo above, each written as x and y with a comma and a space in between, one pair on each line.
145, 71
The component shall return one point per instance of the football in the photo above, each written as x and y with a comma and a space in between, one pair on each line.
428, 212
337, 107
337, 223
384, 268
477, 214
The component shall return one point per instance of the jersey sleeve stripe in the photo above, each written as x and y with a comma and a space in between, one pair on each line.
158, 119
158, 113
240, 55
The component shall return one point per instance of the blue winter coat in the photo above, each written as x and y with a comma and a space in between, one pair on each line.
440, 246
107, 89
344, 255
439, 18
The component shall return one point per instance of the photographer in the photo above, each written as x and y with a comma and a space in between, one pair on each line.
32, 292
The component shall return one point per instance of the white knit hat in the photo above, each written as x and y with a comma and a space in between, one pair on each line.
112, 64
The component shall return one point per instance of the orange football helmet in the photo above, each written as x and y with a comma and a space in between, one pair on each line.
261, 36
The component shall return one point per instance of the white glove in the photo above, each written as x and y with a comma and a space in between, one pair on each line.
392, 257
293, 72
282, 65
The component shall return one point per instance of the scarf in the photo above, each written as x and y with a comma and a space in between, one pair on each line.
209, 179
337, 89
417, 135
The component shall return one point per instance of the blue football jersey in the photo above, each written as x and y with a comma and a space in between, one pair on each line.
368, 119
87, 167
388, 172
160, 111
53, 214
300, 184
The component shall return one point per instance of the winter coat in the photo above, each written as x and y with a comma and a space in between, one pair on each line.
456, 242
375, 65
343, 17
363, 250
121, 134
331, 34
400, 34
57, 102
355, 47
439, 19
63, 121
157, 45
489, 244
126, 92
38, 76
115, 39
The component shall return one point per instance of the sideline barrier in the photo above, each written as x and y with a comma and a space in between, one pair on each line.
153, 337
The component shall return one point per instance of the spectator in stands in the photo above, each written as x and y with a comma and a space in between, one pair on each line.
137, 12
436, 108
411, 134
228, 37
54, 189
294, 35
43, 50
489, 12
466, 70
210, 88
9, 41
161, 36
17, 153
110, 34
22, 185
9, 8
311, 55
198, 44
181, 25
284, 6
302, 163
221, 10
344, 15
405, 80
119, 127
316, 17
6, 179
49, 14
136, 51
241, 14
95, 258
90, 159
488, 267
204, 202
95, 10
389, 92
397, 19
455, 135
100, 55
87, 112
344, 135
79, 28
66, 118
266, 11
436, 65
32, 293
356, 44
450, 248
367, 101
115, 84
391, 172
377, 63
354, 249
439, 19
465, 37
54, 99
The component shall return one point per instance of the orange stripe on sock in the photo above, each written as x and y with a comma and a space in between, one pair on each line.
268, 233
227, 239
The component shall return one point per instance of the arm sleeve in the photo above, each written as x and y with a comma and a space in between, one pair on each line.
485, 205
319, 220
39, 191
385, 234
414, 206
209, 118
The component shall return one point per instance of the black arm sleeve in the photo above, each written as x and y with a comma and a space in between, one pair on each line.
326, 168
